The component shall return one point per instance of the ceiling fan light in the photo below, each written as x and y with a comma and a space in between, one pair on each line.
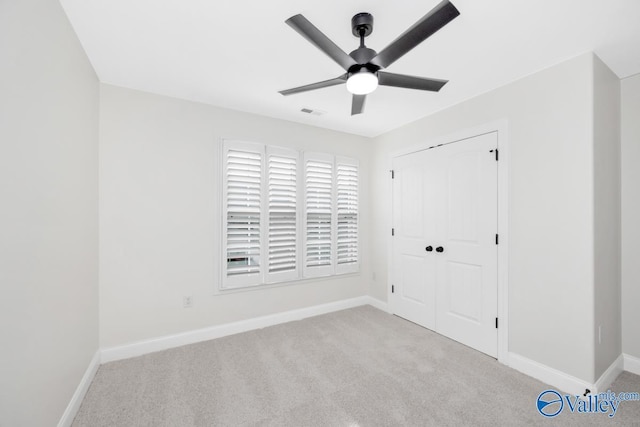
362, 82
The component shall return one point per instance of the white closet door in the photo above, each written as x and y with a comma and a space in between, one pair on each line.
444, 248
466, 269
414, 269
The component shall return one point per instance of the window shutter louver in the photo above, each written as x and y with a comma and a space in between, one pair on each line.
318, 216
283, 223
243, 201
347, 212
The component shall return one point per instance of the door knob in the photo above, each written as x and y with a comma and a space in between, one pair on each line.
439, 249
428, 248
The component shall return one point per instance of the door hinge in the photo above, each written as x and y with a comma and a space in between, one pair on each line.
495, 151
496, 323
393, 174
393, 289
496, 239
393, 231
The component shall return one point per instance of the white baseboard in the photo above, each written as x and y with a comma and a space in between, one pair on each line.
376, 303
631, 364
191, 337
76, 400
609, 376
558, 379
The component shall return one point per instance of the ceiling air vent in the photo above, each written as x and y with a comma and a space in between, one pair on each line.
312, 112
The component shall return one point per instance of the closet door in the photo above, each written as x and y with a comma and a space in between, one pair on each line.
444, 247
414, 213
466, 269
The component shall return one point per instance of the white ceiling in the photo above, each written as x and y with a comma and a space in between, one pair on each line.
239, 54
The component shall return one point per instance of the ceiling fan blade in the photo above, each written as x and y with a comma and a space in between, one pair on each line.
319, 40
439, 16
357, 105
314, 86
410, 82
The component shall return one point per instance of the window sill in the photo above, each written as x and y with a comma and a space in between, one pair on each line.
224, 291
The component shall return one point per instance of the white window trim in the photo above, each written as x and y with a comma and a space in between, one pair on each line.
302, 274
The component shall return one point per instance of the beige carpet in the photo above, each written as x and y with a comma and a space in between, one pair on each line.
357, 367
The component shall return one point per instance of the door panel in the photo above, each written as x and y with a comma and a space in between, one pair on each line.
463, 192
411, 287
463, 286
411, 214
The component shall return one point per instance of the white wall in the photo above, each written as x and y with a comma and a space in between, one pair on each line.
48, 212
549, 118
606, 140
630, 214
160, 215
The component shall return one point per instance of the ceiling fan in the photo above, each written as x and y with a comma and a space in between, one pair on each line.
363, 66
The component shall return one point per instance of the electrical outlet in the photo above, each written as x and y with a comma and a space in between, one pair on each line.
187, 301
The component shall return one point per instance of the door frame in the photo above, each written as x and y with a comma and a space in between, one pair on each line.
501, 129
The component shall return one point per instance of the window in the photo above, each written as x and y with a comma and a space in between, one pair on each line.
289, 215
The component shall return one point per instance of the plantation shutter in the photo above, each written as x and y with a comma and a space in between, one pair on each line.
319, 206
243, 200
286, 215
347, 215
282, 183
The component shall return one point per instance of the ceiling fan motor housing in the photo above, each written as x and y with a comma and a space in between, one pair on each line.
362, 56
